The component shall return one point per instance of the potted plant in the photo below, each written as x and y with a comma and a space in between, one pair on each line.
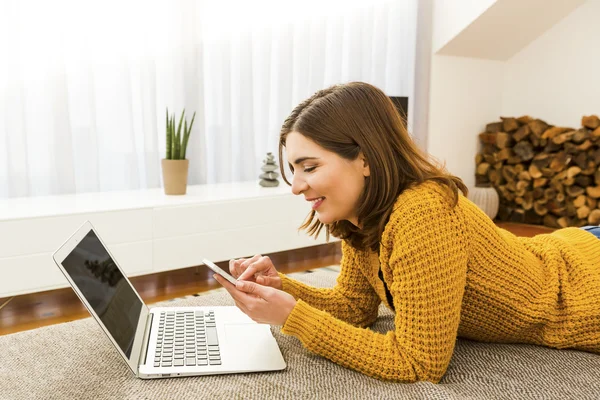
175, 166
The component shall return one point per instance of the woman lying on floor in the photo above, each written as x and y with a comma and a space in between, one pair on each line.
412, 240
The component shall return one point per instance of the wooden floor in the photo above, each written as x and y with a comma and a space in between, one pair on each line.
62, 305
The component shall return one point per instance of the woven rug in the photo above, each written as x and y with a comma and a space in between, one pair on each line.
76, 361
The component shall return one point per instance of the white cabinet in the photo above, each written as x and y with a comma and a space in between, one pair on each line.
148, 231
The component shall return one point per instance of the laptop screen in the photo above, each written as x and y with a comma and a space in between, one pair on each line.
111, 296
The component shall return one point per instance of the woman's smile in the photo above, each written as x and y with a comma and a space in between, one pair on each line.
317, 202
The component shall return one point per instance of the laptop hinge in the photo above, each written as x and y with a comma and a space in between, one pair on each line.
146, 340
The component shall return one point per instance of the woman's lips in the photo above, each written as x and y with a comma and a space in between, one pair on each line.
317, 203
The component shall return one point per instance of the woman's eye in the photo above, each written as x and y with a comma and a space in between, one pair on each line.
309, 169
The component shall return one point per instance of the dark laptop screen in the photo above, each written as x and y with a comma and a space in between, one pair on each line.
105, 289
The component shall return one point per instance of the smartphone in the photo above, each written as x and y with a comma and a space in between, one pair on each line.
219, 271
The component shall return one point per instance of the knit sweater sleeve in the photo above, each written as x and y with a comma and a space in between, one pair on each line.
352, 299
428, 261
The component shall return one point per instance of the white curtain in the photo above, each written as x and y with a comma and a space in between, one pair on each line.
85, 84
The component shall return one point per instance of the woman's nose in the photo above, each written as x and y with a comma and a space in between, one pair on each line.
298, 185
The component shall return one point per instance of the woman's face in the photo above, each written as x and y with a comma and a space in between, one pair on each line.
330, 183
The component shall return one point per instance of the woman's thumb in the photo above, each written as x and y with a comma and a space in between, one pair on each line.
249, 287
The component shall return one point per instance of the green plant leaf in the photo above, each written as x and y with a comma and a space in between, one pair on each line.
173, 141
168, 138
178, 137
186, 136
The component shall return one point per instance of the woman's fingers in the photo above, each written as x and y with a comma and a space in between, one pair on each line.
235, 266
258, 266
232, 270
248, 261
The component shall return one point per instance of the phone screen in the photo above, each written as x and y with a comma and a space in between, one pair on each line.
219, 271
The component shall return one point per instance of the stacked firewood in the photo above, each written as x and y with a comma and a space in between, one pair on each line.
544, 174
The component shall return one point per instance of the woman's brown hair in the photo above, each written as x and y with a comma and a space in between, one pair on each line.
350, 118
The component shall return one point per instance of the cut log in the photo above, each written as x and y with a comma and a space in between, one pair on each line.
583, 212
503, 154
509, 124
571, 210
585, 145
560, 161
494, 127
554, 131
552, 147
488, 138
580, 201
513, 159
538, 127
574, 190
573, 171
539, 208
581, 160
594, 217
591, 121
525, 119
590, 169
521, 133
596, 156
538, 193
593, 192
564, 222
508, 172
503, 140
583, 180
528, 201
534, 171
495, 177
581, 135
542, 160
524, 175
521, 188
550, 194
563, 137
524, 150
570, 148
540, 182
548, 172
482, 169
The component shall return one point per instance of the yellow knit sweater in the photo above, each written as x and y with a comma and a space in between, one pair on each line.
451, 272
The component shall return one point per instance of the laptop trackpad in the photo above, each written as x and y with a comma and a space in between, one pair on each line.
248, 337
253, 347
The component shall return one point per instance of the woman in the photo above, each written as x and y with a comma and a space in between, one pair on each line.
411, 240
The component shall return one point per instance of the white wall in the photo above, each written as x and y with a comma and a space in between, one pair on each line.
465, 94
557, 76
452, 16
506, 27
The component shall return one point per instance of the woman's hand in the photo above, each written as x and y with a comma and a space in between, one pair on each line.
259, 269
262, 304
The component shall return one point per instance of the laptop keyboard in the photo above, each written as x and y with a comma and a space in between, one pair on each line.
187, 338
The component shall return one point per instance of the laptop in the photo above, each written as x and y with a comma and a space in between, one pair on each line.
162, 342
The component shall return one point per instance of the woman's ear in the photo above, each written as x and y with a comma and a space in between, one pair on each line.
365, 165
